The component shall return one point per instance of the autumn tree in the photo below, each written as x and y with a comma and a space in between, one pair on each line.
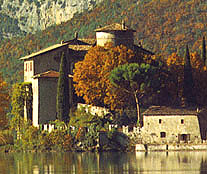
199, 76
4, 103
62, 104
175, 64
91, 75
137, 80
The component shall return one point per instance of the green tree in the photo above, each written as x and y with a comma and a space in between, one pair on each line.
62, 104
204, 51
21, 96
188, 83
137, 80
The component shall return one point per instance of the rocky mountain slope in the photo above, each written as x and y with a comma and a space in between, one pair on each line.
32, 15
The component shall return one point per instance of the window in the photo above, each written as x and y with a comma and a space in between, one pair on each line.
26, 67
160, 121
30, 66
182, 121
184, 137
162, 134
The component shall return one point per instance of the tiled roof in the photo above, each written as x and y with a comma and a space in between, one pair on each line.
162, 110
53, 47
80, 47
114, 27
81, 44
75, 44
49, 74
81, 41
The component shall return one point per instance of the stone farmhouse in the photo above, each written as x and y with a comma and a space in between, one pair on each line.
42, 68
173, 125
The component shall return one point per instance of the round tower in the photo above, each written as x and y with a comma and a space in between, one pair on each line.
116, 34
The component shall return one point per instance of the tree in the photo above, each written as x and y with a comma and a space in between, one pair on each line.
21, 96
91, 75
4, 103
204, 51
175, 64
136, 79
62, 104
188, 83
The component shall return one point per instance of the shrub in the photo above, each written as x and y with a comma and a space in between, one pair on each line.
6, 137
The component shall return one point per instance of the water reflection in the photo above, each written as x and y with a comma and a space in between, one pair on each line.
104, 163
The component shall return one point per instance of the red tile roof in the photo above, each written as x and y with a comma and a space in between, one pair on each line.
114, 27
49, 74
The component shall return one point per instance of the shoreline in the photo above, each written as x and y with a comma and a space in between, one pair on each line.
170, 147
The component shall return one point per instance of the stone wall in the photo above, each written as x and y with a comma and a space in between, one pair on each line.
170, 147
115, 37
170, 129
35, 104
94, 110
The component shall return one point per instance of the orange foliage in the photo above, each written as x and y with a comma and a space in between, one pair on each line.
91, 75
176, 66
4, 103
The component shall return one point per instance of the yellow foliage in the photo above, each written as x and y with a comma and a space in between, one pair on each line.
196, 61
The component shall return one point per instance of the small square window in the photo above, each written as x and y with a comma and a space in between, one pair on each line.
182, 121
160, 121
162, 134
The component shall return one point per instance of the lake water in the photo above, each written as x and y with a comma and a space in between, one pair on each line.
104, 163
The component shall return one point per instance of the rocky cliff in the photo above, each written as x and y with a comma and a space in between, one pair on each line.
33, 15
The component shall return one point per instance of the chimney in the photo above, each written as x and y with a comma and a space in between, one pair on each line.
140, 44
62, 42
123, 25
76, 35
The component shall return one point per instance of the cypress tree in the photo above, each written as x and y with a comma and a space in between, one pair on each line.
62, 103
188, 83
204, 51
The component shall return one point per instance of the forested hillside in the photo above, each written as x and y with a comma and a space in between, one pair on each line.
163, 26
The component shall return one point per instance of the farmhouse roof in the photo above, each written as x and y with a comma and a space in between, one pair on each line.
53, 47
114, 27
48, 74
162, 110
75, 44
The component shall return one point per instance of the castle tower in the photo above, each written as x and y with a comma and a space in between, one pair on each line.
116, 34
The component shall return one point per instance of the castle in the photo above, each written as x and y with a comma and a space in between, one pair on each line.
42, 68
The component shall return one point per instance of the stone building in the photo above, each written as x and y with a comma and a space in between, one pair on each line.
41, 68
173, 125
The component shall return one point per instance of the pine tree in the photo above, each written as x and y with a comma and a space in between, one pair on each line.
188, 83
204, 51
62, 103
